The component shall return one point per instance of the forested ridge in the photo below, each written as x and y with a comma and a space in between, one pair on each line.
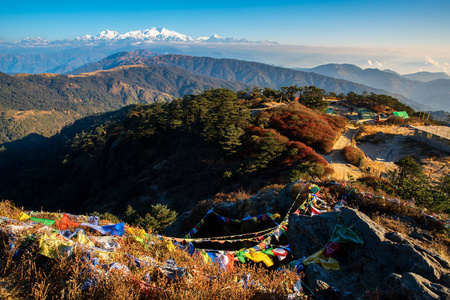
68, 98
178, 153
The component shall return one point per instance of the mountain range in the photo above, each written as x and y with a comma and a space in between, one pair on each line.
332, 78
429, 89
426, 76
151, 35
37, 55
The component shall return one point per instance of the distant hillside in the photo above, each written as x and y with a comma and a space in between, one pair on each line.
252, 73
431, 95
426, 76
45, 61
65, 98
116, 60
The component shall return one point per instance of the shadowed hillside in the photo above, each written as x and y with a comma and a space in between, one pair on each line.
176, 153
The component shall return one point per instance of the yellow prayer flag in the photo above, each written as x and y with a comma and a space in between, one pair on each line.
206, 257
82, 239
170, 246
51, 246
327, 263
258, 257
23, 216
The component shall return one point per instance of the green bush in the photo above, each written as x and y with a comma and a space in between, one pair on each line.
306, 171
161, 217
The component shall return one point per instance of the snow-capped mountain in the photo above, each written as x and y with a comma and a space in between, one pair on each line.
153, 34
136, 37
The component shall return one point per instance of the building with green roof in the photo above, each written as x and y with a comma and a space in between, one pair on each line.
401, 114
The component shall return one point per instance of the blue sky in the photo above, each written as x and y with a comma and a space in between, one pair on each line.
327, 23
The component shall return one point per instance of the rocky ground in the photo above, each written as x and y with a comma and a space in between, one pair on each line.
383, 145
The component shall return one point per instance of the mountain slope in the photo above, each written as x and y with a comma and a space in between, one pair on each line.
434, 94
123, 58
252, 73
426, 76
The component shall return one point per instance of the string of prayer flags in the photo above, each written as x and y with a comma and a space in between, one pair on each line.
199, 224
261, 217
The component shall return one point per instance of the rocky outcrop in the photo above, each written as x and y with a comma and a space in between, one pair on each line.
387, 260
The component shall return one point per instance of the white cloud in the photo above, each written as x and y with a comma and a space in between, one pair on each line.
444, 67
374, 63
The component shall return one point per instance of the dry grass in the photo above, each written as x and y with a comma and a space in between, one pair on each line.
392, 223
441, 244
240, 194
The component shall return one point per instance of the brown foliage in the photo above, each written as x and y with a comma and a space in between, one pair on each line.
303, 154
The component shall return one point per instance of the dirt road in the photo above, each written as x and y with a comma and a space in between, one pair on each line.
342, 169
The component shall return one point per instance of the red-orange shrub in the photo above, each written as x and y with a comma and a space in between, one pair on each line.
299, 123
353, 155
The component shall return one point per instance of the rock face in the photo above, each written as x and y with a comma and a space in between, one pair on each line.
387, 260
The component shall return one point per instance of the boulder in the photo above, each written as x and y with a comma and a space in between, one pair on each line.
366, 267
415, 287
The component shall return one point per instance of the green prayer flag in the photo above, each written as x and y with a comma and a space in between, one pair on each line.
43, 221
241, 256
268, 251
343, 234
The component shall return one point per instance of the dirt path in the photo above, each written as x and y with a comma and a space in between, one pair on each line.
342, 169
